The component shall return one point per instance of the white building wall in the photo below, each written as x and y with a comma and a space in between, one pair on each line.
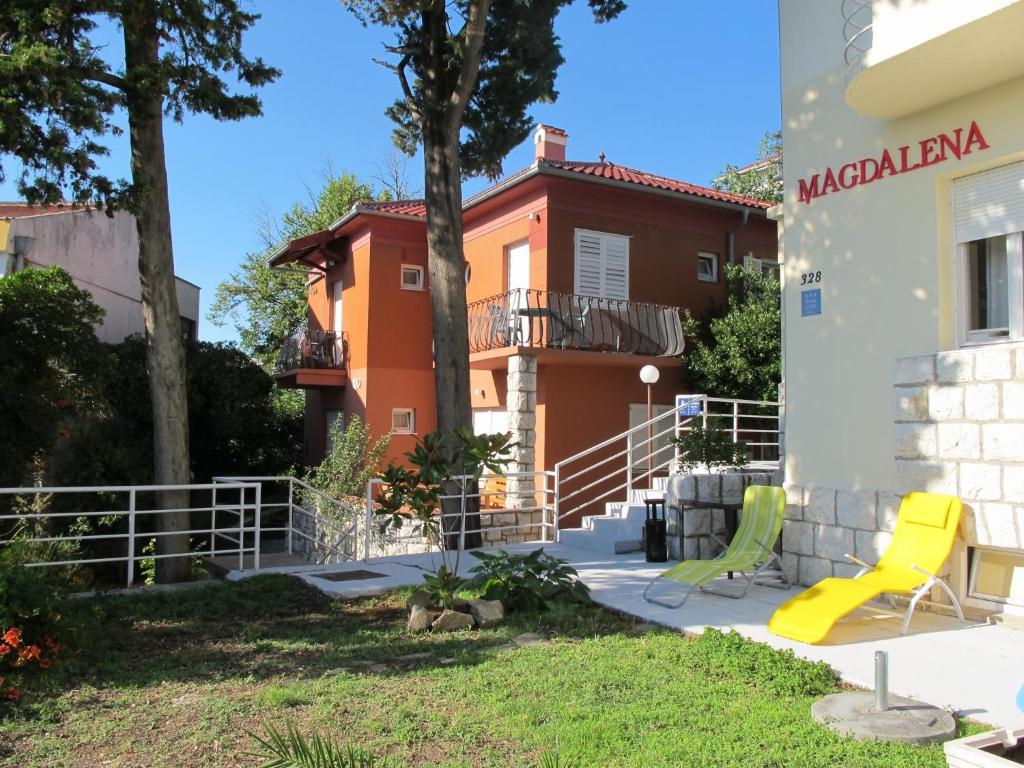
885, 252
101, 255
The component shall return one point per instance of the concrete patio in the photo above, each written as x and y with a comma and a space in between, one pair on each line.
973, 669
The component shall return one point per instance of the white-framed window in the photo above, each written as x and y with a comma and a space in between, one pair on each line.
412, 277
403, 421
988, 223
334, 424
601, 265
707, 267
996, 575
764, 267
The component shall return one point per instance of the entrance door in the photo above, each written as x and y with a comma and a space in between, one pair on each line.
518, 286
661, 450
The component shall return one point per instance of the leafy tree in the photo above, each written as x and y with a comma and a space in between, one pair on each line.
762, 179
269, 305
50, 364
234, 427
738, 353
59, 92
468, 71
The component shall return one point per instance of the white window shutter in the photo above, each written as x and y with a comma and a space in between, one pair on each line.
616, 267
589, 263
601, 265
989, 203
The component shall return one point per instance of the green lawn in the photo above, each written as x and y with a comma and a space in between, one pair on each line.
178, 679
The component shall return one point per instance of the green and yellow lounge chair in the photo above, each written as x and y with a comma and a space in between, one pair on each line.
925, 529
750, 549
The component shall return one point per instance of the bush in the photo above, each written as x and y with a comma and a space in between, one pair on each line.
710, 447
352, 461
533, 582
29, 619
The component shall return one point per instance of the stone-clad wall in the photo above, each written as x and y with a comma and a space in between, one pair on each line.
958, 429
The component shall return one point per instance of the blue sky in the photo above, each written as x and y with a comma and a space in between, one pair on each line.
675, 87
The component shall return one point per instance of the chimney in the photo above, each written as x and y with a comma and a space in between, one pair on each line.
550, 143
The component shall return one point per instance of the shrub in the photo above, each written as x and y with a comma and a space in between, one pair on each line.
351, 462
709, 446
29, 619
533, 582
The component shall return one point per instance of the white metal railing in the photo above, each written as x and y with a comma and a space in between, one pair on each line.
614, 468
507, 509
118, 509
857, 30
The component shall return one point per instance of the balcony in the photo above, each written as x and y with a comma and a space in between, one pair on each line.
903, 58
312, 359
521, 319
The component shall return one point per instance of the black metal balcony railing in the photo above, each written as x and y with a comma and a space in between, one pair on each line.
313, 349
532, 318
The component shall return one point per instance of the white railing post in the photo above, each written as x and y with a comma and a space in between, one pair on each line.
257, 522
368, 519
555, 534
213, 520
629, 467
131, 537
291, 511
241, 528
735, 421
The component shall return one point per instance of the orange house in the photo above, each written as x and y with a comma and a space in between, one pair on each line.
576, 276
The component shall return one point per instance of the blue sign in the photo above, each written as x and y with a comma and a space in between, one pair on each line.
688, 407
810, 302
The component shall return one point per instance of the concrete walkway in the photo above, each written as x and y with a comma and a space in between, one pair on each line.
974, 669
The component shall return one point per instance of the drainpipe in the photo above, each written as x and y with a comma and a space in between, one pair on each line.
732, 236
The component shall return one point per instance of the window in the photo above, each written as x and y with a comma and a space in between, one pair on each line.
334, 424
601, 265
403, 421
412, 277
188, 328
764, 267
988, 220
707, 267
996, 575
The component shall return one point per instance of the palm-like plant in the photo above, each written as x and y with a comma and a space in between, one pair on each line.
291, 749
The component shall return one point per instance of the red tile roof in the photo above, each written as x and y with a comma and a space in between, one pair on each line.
21, 210
401, 207
621, 173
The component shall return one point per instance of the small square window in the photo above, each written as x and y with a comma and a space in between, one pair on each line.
403, 421
412, 278
707, 267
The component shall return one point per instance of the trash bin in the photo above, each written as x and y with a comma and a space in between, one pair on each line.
655, 547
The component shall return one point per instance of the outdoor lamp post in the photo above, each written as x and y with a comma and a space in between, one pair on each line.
649, 375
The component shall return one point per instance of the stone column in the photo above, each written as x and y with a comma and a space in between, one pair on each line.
521, 402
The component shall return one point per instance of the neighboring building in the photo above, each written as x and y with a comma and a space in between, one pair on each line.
576, 273
101, 253
904, 297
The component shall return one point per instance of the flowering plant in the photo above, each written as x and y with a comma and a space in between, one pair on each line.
17, 655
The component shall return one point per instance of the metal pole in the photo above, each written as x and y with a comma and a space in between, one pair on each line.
367, 520
213, 520
555, 505
881, 680
257, 522
735, 422
131, 537
629, 467
650, 437
241, 528
291, 511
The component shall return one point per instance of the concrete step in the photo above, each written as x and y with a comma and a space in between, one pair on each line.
597, 542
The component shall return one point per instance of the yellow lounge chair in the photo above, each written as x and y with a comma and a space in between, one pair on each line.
750, 549
925, 529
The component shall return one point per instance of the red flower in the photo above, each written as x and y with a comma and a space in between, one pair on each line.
13, 693
12, 637
4, 649
31, 652
44, 663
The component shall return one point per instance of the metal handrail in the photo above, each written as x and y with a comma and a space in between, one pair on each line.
857, 32
585, 478
310, 348
548, 319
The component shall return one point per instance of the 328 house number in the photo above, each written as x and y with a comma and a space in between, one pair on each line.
809, 278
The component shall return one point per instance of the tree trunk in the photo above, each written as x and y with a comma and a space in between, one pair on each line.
165, 358
443, 179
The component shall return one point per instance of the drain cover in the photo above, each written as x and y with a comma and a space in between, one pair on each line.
350, 576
